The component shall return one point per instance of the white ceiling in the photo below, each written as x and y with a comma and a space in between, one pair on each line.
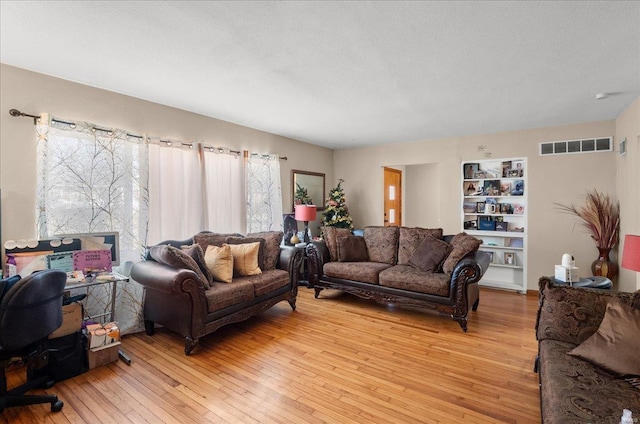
341, 74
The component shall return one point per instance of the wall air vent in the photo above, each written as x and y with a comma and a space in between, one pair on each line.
588, 145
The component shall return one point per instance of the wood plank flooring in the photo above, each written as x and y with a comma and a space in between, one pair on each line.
336, 359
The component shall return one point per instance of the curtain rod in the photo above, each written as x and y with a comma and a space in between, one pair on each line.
247, 153
16, 113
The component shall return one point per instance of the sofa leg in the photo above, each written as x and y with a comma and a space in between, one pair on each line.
317, 290
292, 303
462, 321
149, 328
189, 344
475, 305
536, 364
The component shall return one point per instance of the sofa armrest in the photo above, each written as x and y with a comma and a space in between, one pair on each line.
317, 256
570, 314
290, 260
163, 278
475, 264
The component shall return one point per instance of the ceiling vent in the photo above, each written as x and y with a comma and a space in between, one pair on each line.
588, 145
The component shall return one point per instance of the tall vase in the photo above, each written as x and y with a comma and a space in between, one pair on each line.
604, 267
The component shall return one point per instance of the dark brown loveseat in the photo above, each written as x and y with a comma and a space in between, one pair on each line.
572, 389
179, 294
401, 265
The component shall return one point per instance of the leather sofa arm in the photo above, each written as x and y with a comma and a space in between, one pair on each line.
317, 255
290, 260
174, 281
473, 266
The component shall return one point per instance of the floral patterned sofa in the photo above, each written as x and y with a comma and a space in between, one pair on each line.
402, 265
588, 354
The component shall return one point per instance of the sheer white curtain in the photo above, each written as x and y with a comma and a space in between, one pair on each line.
175, 191
93, 179
224, 191
264, 193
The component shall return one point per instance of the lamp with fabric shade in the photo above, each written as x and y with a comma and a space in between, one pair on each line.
306, 213
631, 253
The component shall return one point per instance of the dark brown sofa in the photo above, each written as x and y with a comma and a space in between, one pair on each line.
179, 297
389, 269
572, 389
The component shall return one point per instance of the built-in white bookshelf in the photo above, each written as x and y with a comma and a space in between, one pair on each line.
494, 209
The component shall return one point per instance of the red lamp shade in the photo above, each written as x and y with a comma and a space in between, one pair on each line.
631, 253
305, 213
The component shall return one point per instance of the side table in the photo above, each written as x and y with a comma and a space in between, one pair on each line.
596, 282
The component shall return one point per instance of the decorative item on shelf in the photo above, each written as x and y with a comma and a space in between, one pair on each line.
518, 188
631, 253
305, 213
502, 226
510, 258
470, 170
601, 216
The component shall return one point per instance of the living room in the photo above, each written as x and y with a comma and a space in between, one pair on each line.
551, 180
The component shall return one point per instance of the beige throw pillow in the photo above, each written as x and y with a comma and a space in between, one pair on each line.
219, 261
245, 259
616, 345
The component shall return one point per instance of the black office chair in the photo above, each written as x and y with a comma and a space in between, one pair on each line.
30, 310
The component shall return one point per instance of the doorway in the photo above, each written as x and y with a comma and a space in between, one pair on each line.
392, 197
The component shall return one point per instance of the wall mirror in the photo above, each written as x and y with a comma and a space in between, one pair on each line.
313, 182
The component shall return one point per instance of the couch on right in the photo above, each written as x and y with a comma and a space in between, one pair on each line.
588, 354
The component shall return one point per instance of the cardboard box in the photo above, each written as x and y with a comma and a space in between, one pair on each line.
103, 355
567, 275
101, 335
72, 316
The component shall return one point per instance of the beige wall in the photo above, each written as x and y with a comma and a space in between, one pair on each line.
557, 179
628, 181
36, 93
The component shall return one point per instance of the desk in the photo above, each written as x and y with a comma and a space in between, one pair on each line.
111, 278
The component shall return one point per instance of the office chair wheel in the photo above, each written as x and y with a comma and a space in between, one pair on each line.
57, 406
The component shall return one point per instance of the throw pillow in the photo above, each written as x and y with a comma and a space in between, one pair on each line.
409, 238
176, 258
219, 261
616, 344
382, 244
430, 254
272, 241
196, 253
331, 235
462, 244
245, 258
245, 240
352, 249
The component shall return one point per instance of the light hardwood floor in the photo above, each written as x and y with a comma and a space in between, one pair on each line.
337, 359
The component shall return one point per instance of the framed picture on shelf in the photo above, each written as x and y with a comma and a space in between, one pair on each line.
470, 170
518, 209
505, 188
480, 174
501, 225
518, 165
469, 207
492, 187
509, 258
472, 188
506, 166
480, 207
518, 188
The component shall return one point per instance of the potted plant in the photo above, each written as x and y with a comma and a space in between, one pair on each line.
600, 215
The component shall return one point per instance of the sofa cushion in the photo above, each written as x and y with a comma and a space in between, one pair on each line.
352, 249
247, 240
219, 261
366, 272
410, 238
267, 282
406, 277
574, 391
616, 345
195, 251
176, 258
430, 254
382, 244
462, 245
272, 241
222, 295
330, 238
205, 238
245, 258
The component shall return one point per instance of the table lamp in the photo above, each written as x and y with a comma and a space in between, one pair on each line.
631, 253
305, 213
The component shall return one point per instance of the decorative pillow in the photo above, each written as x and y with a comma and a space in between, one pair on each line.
352, 249
245, 240
245, 258
616, 344
409, 239
272, 241
176, 258
462, 245
219, 261
196, 253
382, 244
430, 254
330, 238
